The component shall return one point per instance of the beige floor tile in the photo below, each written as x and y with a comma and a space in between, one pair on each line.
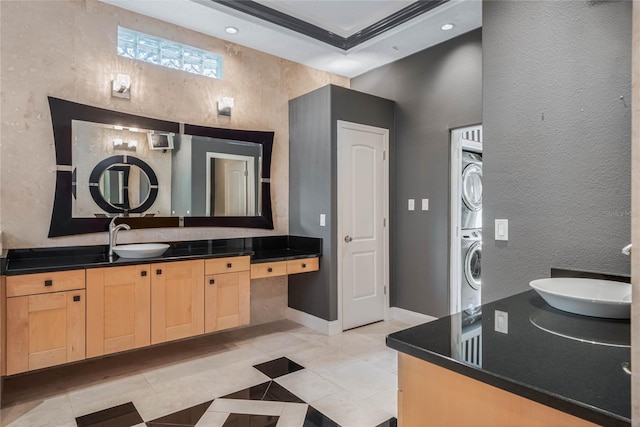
308, 385
229, 379
173, 376
52, 412
348, 410
157, 405
387, 401
382, 357
108, 394
279, 343
361, 378
293, 415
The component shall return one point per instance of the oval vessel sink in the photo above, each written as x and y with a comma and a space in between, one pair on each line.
141, 250
589, 297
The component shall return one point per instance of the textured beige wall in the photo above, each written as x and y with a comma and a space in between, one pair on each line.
67, 49
635, 218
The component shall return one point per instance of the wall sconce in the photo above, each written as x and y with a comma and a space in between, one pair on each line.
224, 106
117, 142
121, 86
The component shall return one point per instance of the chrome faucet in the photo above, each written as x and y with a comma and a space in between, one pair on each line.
627, 250
113, 233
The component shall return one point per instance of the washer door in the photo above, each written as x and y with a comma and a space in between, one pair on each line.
472, 265
472, 186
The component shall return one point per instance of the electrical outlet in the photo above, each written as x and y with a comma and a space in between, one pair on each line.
323, 220
502, 321
502, 229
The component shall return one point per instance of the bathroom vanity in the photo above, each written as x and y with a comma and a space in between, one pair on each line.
68, 304
518, 362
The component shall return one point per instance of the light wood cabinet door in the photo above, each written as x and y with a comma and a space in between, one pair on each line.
118, 309
45, 330
177, 300
227, 301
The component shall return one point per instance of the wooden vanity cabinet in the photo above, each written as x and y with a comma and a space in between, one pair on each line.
45, 315
227, 293
177, 300
118, 309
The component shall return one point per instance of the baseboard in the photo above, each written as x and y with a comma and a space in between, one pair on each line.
410, 317
317, 324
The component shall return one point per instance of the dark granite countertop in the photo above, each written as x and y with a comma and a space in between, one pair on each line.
261, 249
570, 362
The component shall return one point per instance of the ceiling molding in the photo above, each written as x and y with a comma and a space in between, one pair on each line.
284, 20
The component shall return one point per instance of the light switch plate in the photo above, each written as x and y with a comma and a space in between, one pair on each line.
425, 204
323, 220
411, 205
502, 229
502, 322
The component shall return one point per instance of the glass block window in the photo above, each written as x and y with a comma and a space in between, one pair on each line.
155, 50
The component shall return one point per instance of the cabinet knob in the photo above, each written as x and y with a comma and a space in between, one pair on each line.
304, 265
48, 282
212, 282
158, 271
270, 270
143, 273
76, 298
229, 265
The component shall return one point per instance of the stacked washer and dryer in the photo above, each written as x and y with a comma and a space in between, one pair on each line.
471, 230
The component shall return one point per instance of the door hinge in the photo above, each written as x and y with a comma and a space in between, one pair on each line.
384, 222
384, 155
385, 290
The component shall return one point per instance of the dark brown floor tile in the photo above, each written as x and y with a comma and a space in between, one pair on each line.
278, 367
186, 417
316, 418
246, 420
125, 415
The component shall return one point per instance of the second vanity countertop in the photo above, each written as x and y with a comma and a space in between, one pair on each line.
261, 249
570, 362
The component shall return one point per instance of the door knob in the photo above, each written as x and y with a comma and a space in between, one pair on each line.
348, 239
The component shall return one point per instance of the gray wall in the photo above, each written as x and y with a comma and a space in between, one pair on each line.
313, 182
435, 90
557, 139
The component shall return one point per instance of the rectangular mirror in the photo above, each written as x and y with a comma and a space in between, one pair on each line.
196, 175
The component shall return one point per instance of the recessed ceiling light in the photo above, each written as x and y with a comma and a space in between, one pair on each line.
447, 27
231, 30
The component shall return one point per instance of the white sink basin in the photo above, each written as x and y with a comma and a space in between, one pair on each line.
590, 297
141, 250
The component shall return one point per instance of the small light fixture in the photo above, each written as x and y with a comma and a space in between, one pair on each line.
133, 144
117, 142
231, 30
121, 86
447, 27
117, 127
224, 106
133, 129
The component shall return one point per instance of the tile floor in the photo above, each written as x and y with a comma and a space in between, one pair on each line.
280, 374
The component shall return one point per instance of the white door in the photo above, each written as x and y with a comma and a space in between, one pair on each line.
362, 204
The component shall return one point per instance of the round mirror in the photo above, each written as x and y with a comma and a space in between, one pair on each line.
123, 184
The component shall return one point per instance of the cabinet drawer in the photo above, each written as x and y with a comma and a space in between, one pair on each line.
302, 265
227, 265
269, 269
40, 283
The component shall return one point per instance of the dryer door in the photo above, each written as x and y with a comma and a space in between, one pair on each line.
472, 186
472, 265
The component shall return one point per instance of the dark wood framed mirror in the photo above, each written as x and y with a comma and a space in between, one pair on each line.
156, 173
